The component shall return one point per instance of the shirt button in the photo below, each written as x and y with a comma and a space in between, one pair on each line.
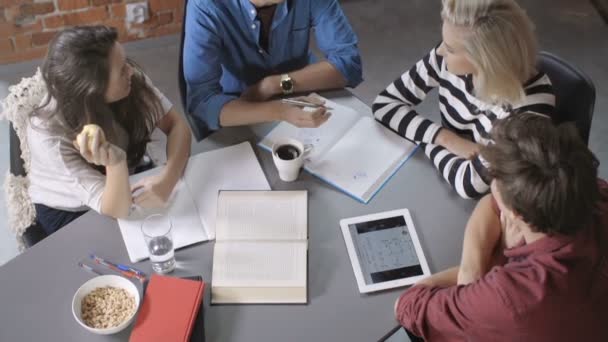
252, 11
261, 51
253, 26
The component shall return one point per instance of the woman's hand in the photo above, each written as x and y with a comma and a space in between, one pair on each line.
151, 192
94, 148
459, 146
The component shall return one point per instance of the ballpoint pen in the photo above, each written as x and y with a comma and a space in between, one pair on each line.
128, 274
300, 103
119, 266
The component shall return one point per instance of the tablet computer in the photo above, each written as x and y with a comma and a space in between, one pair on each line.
384, 250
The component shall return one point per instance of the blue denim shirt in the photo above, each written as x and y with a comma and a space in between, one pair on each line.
222, 55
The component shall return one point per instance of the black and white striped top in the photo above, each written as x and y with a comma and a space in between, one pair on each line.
461, 112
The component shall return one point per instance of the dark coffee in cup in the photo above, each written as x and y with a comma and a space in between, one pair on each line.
287, 152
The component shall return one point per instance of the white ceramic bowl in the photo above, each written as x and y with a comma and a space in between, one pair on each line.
102, 281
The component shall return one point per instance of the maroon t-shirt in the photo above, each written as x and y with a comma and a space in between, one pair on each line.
554, 289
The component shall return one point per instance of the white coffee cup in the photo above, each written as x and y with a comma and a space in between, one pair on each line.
288, 155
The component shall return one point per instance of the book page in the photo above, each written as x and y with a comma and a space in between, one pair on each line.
187, 228
259, 264
322, 138
358, 163
262, 215
230, 168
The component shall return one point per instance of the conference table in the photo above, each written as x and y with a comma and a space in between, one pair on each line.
36, 287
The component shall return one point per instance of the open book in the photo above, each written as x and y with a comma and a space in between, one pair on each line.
350, 151
192, 207
260, 253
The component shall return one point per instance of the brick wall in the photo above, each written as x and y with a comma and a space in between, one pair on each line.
27, 26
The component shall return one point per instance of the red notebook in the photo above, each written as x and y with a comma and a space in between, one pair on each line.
169, 310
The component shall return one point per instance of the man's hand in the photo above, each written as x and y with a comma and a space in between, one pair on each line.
299, 117
151, 192
263, 90
459, 146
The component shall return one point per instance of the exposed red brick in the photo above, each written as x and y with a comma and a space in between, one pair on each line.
93, 15
119, 10
164, 30
103, 2
23, 42
55, 21
165, 18
42, 38
68, 5
6, 46
179, 13
162, 5
27, 55
120, 26
37, 8
10, 29
7, 3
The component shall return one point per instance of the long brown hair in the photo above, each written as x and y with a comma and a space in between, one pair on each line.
76, 72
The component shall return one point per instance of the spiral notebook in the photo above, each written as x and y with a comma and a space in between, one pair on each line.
351, 151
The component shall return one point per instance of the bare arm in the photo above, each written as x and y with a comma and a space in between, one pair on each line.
244, 112
178, 146
116, 199
481, 238
157, 189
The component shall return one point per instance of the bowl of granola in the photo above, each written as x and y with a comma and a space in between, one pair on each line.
106, 304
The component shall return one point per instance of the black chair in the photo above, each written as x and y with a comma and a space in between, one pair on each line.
574, 93
198, 126
34, 233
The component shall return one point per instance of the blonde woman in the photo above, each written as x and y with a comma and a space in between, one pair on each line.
485, 69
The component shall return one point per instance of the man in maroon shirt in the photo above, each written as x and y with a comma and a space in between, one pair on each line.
534, 264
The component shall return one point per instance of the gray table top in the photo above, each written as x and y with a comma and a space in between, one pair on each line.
36, 288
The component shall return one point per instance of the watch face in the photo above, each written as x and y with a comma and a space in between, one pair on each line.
287, 85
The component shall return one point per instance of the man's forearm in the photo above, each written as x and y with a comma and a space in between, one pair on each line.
318, 76
481, 237
444, 278
242, 112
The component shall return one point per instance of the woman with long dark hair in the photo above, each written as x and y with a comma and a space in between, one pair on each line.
91, 83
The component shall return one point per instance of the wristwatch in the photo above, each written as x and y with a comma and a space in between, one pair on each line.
286, 84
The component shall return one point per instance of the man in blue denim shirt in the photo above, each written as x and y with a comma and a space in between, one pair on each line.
238, 54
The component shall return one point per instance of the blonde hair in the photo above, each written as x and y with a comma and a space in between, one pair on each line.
501, 45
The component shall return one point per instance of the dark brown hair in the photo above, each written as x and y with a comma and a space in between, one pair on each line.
544, 172
76, 72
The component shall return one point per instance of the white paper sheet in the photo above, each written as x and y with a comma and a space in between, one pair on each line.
193, 204
259, 264
321, 138
277, 215
186, 228
363, 159
231, 168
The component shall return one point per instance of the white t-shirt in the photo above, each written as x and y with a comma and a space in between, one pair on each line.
59, 176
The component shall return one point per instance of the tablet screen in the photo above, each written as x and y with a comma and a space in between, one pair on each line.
385, 250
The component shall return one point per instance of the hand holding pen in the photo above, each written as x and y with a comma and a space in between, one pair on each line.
306, 101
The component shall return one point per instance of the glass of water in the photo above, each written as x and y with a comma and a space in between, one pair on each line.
157, 233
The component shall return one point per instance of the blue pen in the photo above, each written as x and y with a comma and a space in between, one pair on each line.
119, 266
